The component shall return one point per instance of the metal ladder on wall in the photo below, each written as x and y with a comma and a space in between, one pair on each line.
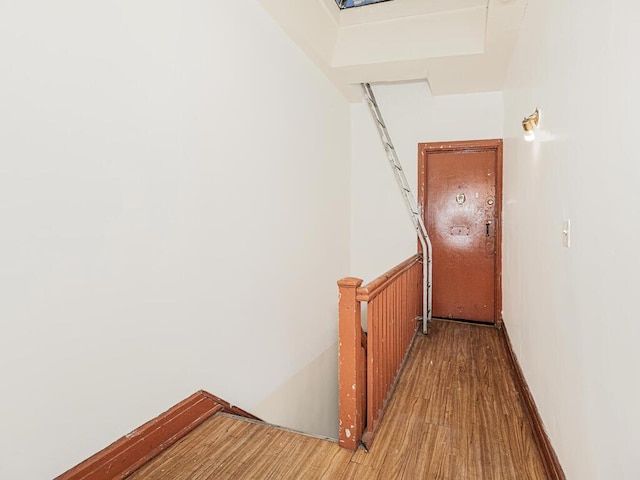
410, 201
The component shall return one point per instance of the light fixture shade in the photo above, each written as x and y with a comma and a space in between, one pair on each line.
529, 136
529, 124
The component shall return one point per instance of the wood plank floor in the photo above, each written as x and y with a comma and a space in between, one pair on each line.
455, 414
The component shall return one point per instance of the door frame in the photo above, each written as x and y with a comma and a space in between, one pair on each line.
494, 145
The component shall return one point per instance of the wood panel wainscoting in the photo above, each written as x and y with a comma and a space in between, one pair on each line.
370, 364
548, 455
130, 452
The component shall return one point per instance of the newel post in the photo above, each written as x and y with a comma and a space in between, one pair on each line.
350, 363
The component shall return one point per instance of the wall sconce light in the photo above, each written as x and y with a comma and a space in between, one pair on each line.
529, 124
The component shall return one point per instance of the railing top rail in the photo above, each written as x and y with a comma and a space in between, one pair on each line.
373, 288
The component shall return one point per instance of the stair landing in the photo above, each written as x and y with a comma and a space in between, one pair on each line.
455, 414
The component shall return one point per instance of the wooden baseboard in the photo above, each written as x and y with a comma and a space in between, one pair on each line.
130, 452
228, 408
549, 458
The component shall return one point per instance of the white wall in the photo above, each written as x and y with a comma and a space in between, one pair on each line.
382, 234
174, 202
572, 313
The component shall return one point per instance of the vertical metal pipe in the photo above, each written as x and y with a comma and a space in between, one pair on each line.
409, 199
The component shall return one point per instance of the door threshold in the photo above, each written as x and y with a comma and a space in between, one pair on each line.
462, 320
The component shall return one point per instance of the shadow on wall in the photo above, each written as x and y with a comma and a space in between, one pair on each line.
308, 401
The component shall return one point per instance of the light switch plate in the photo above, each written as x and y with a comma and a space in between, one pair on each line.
566, 233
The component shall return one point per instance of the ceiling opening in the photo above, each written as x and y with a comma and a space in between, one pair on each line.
460, 46
357, 3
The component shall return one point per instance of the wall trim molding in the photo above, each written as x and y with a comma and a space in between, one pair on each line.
130, 452
550, 460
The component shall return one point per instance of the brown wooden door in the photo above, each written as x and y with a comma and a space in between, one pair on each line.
461, 197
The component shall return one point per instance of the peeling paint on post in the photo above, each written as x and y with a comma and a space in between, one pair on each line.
350, 364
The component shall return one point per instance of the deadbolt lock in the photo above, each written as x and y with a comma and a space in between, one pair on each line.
460, 198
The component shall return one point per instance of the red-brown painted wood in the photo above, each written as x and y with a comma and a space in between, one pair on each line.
362, 382
550, 461
350, 368
460, 194
373, 288
393, 303
133, 450
392, 327
228, 408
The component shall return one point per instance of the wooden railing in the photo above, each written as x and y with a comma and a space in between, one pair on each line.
369, 364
